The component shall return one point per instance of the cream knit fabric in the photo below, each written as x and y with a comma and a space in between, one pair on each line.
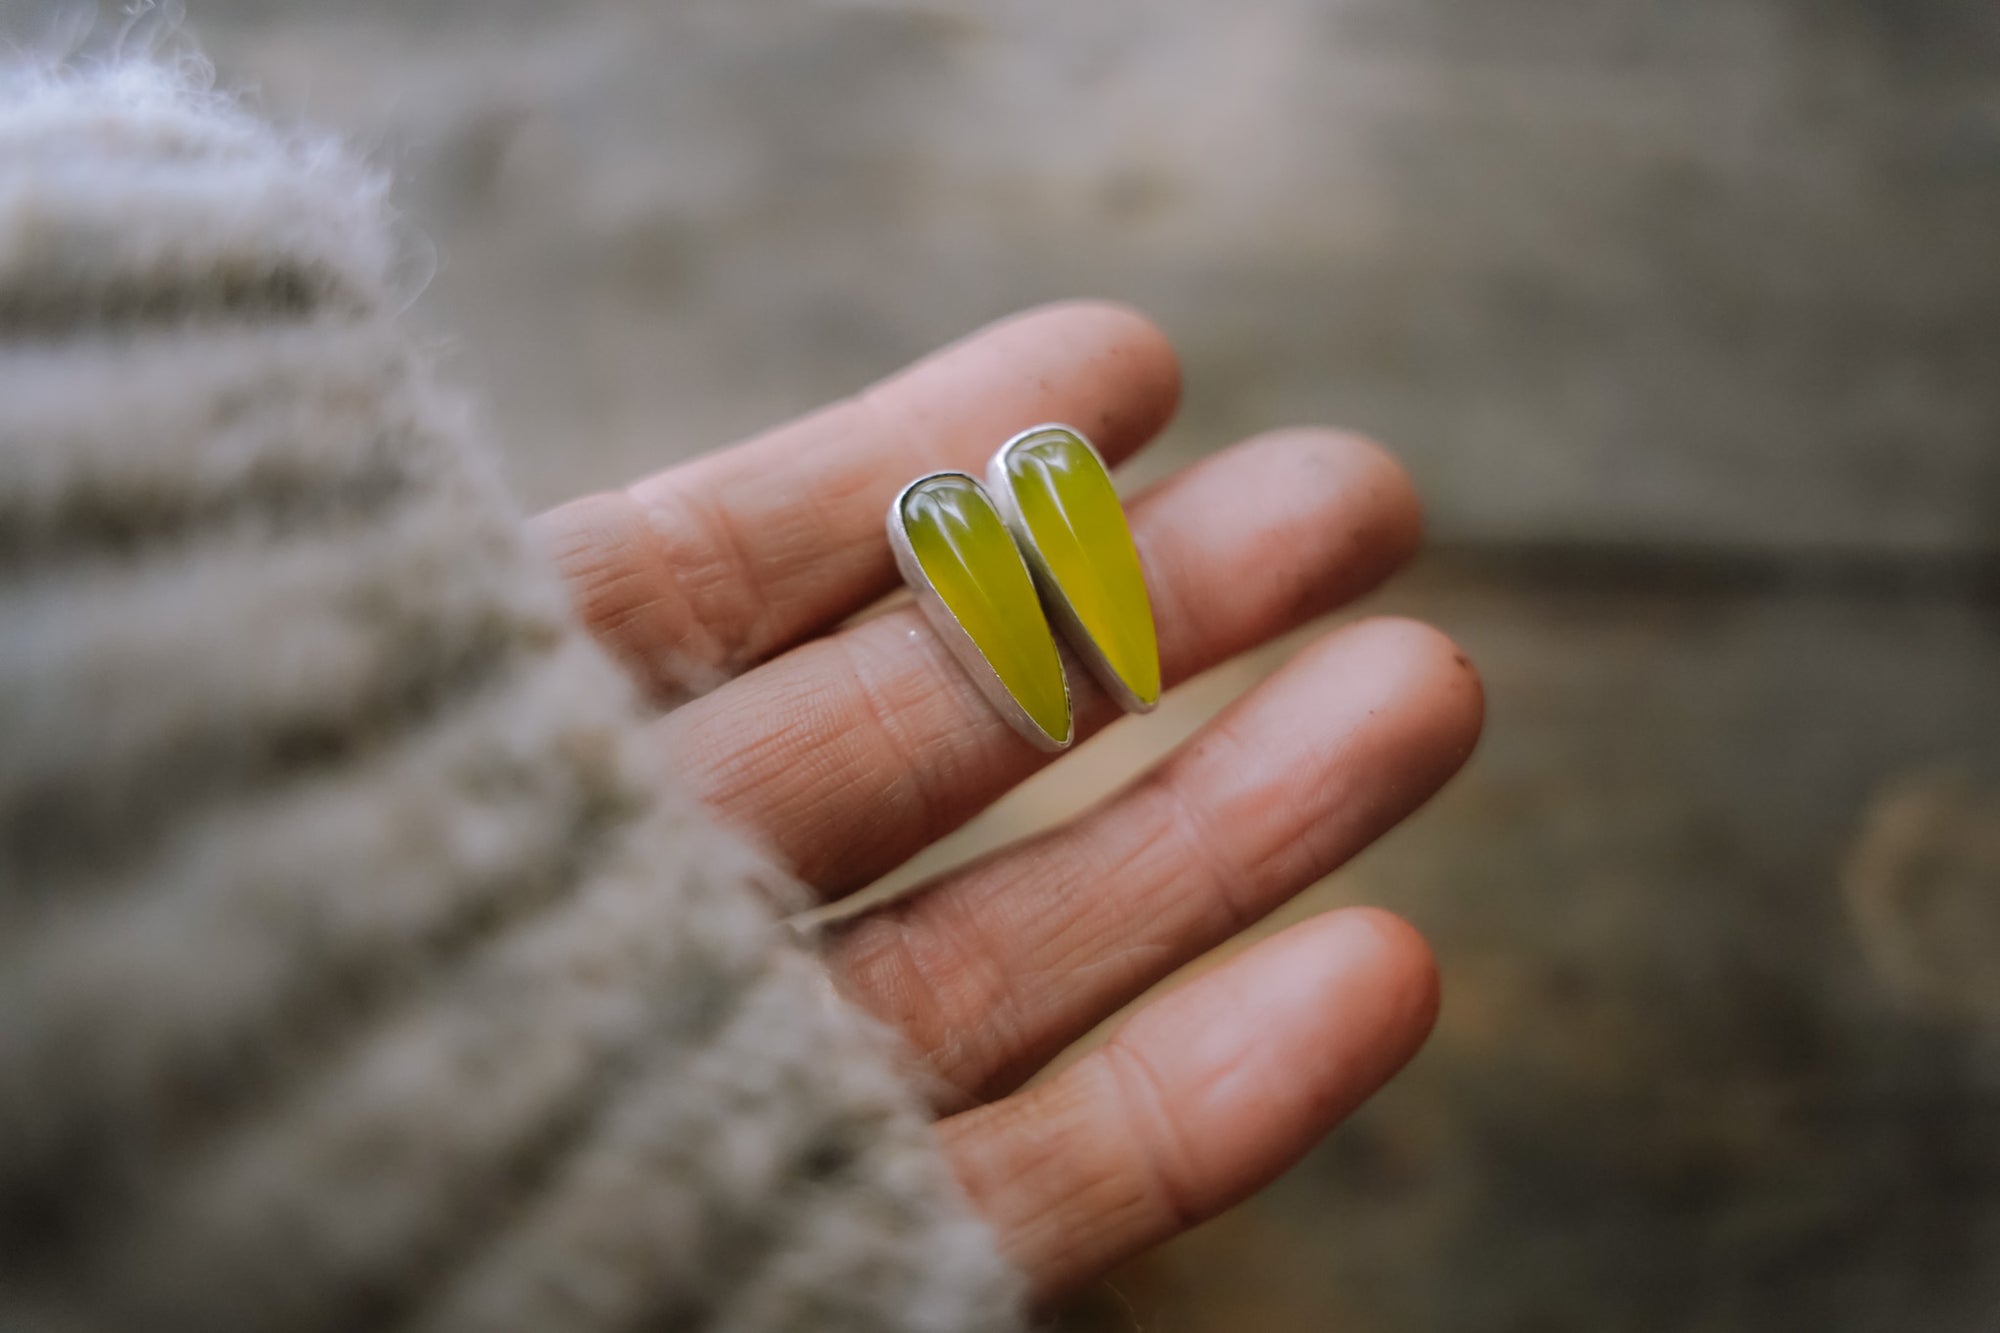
354, 971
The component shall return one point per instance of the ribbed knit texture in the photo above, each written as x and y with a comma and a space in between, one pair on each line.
355, 971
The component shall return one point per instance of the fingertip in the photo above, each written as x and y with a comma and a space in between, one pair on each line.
1200, 1098
1369, 480
1398, 507
1268, 534
1427, 666
1402, 970
1120, 349
1254, 1063
1361, 973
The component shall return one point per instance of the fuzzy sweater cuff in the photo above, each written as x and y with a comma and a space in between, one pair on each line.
359, 969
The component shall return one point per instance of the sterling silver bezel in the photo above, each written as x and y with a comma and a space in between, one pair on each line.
953, 634
1001, 487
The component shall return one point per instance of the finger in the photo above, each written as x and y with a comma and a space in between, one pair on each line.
993, 969
851, 753
693, 574
1200, 1099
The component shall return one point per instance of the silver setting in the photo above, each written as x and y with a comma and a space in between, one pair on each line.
1001, 487
954, 635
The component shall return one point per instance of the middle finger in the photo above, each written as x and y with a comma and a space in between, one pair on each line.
851, 753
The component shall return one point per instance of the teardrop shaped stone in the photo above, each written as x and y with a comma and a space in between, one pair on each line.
1066, 501
971, 561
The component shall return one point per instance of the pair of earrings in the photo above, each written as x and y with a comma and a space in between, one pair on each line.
974, 555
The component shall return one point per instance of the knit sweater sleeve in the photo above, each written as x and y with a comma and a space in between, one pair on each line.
358, 969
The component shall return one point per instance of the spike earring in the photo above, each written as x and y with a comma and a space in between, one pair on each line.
1056, 497
955, 552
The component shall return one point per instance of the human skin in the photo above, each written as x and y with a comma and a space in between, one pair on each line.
846, 746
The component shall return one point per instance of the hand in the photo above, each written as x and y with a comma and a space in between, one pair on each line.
849, 748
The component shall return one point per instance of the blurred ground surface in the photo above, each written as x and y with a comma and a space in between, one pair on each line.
1687, 317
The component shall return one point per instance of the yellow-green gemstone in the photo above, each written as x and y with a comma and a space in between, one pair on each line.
972, 564
1066, 501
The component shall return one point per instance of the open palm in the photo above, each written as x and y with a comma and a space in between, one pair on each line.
847, 748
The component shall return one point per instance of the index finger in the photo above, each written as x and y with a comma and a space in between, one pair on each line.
698, 572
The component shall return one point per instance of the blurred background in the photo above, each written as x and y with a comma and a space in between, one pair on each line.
1686, 316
